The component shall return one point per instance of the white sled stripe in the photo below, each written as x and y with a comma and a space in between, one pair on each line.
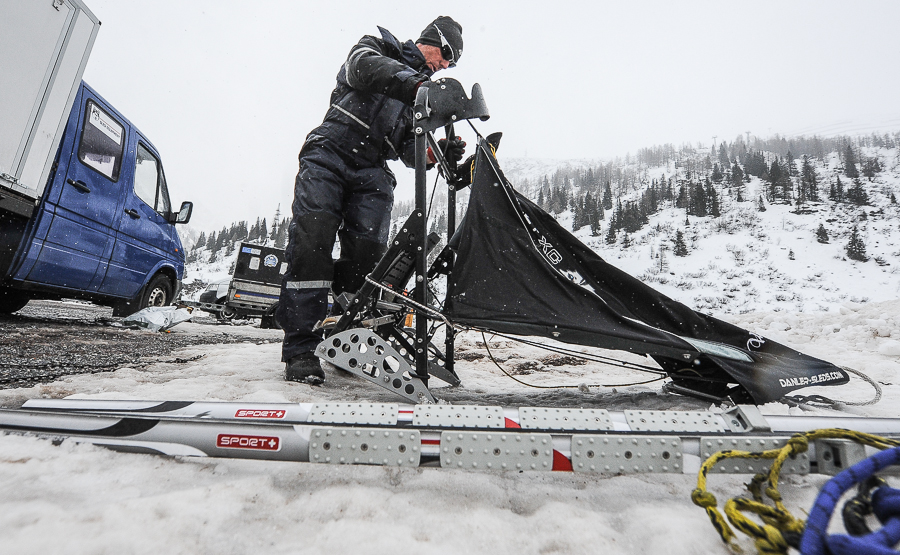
307, 284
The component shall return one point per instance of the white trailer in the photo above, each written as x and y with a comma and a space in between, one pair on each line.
44, 47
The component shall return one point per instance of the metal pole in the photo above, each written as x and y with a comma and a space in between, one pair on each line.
450, 333
421, 287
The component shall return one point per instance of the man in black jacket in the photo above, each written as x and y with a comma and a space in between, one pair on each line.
344, 187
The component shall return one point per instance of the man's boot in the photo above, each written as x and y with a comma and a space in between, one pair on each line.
304, 368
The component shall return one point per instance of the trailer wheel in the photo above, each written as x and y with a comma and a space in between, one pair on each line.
268, 321
157, 293
227, 314
12, 300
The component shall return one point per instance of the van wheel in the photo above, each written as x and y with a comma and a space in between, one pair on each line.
157, 293
12, 300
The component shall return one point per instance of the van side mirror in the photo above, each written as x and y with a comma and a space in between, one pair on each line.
184, 215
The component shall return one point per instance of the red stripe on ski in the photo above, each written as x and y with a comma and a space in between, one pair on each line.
511, 423
561, 462
431, 442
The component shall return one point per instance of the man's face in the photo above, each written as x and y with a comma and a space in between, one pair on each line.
433, 58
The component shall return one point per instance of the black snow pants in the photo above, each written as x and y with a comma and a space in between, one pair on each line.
332, 197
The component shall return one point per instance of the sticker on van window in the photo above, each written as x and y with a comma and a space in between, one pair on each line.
270, 261
254, 263
105, 124
251, 251
283, 268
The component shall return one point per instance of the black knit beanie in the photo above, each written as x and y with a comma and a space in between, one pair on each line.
452, 32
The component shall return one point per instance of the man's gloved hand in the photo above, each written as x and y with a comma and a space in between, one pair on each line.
412, 87
453, 149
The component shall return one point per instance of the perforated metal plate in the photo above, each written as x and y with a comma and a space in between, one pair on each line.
537, 418
496, 451
458, 416
369, 446
377, 414
365, 354
611, 454
711, 445
673, 421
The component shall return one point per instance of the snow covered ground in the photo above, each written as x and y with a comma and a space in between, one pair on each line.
75, 498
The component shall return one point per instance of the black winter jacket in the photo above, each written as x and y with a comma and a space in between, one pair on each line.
369, 120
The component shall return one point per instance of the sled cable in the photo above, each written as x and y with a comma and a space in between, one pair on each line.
579, 386
584, 356
403, 299
821, 400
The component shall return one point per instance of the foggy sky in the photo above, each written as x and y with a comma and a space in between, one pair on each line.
227, 90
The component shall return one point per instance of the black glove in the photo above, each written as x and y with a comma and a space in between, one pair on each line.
411, 88
454, 149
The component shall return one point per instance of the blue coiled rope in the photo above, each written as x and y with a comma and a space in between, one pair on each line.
885, 506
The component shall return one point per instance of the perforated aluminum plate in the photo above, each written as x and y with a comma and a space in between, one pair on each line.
377, 414
537, 418
365, 354
458, 416
612, 454
369, 446
735, 465
496, 451
673, 421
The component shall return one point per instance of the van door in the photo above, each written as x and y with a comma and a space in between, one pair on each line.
81, 232
144, 235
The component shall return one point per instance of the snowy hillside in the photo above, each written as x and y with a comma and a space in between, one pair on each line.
760, 253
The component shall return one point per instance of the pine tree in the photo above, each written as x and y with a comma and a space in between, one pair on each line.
850, 162
201, 241
283, 229
760, 204
680, 246
870, 167
893, 199
713, 199
856, 248
837, 191
737, 175
716, 174
611, 235
723, 156
822, 234
856, 194
607, 197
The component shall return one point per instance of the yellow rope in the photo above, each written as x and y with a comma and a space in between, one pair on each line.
778, 521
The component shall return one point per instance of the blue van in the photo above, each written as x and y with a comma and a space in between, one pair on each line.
103, 229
